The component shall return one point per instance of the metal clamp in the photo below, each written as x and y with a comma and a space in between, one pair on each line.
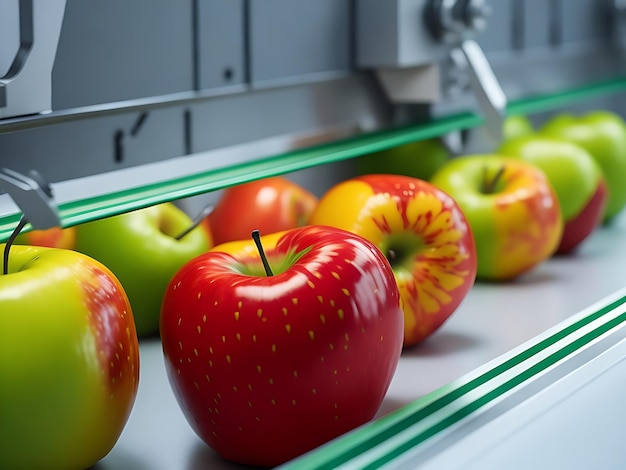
33, 195
451, 21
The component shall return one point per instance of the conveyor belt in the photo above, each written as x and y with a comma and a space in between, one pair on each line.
422, 430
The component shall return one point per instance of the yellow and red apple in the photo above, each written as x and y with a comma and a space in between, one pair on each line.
512, 208
424, 235
69, 359
55, 237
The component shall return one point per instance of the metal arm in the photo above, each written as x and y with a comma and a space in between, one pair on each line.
33, 195
27, 87
450, 21
491, 98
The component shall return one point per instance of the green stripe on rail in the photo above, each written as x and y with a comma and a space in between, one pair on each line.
88, 209
352, 445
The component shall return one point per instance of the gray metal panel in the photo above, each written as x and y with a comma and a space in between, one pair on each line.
393, 33
27, 87
280, 111
584, 21
537, 23
376, 33
9, 33
498, 36
88, 147
417, 46
220, 43
298, 38
115, 50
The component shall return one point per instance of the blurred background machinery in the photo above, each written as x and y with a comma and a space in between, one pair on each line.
102, 97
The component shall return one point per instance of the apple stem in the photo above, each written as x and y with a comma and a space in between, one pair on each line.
489, 184
256, 236
196, 221
20, 225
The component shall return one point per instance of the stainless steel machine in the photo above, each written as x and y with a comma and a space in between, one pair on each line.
155, 91
121, 104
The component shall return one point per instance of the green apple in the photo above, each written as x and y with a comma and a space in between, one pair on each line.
143, 251
517, 125
603, 135
512, 210
418, 159
576, 178
69, 360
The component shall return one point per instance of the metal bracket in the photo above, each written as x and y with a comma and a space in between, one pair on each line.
33, 195
450, 21
27, 86
491, 98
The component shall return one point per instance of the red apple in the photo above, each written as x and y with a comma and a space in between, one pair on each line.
582, 225
424, 234
267, 367
268, 205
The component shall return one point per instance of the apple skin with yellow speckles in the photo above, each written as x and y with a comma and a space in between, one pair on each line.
266, 368
69, 360
422, 231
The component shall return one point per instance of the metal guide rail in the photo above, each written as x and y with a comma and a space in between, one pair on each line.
505, 383
75, 101
572, 353
198, 176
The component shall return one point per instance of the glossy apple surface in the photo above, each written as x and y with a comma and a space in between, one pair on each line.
603, 135
69, 360
575, 177
512, 208
517, 126
266, 368
55, 237
141, 249
423, 233
268, 205
418, 159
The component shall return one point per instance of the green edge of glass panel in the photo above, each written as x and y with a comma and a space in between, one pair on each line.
351, 445
89, 209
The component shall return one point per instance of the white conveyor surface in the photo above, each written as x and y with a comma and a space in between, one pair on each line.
493, 319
